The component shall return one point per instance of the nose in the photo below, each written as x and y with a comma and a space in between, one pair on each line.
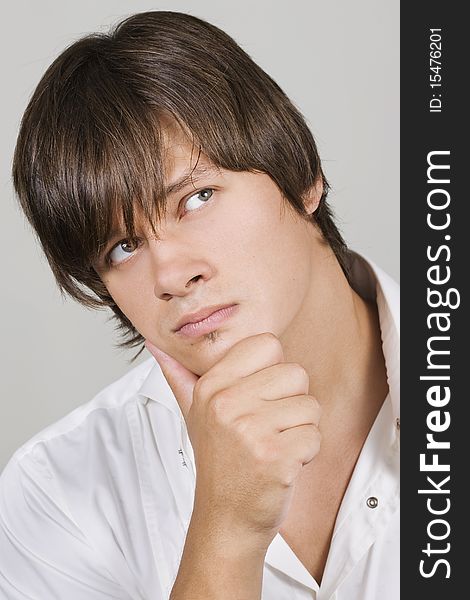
176, 270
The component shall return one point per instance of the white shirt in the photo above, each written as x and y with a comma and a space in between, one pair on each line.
97, 505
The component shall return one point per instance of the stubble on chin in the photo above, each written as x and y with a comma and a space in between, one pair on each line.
212, 336
212, 347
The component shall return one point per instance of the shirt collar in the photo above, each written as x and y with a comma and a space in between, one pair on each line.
155, 387
371, 283
281, 557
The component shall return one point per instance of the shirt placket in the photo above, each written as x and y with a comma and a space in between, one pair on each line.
368, 516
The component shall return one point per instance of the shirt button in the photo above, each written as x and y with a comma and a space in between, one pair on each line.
372, 502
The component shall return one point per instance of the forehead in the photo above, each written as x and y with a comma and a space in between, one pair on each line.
180, 154
184, 162
183, 166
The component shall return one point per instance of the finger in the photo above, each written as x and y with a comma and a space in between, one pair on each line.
280, 415
180, 379
246, 357
275, 382
302, 443
277, 416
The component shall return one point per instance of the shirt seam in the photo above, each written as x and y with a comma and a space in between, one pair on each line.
27, 449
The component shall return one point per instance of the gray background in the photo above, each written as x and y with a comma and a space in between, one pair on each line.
337, 60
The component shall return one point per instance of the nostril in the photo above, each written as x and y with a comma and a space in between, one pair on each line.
193, 279
177, 288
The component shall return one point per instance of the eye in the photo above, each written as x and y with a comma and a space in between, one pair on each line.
198, 199
121, 252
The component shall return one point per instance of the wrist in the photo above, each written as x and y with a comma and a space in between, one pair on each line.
227, 532
216, 565
225, 541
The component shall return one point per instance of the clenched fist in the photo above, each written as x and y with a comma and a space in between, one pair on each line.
252, 425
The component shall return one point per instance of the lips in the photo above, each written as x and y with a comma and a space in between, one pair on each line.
205, 319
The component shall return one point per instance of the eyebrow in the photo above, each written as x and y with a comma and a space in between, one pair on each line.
189, 177
192, 176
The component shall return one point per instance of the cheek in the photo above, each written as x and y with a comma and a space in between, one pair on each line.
246, 229
268, 252
131, 294
271, 246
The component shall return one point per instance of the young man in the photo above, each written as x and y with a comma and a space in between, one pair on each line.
255, 455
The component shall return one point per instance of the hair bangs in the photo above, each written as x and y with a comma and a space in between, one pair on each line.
90, 158
107, 160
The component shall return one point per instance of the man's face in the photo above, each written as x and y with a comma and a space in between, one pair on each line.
228, 239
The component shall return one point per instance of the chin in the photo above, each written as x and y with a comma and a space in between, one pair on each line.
203, 353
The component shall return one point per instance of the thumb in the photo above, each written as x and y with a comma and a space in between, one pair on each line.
180, 379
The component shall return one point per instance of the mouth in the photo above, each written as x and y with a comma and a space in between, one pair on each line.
205, 321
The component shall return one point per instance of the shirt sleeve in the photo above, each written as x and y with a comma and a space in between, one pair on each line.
43, 553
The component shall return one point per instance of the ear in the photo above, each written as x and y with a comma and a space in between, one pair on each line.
313, 196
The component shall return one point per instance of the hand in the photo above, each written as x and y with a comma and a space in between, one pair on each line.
253, 426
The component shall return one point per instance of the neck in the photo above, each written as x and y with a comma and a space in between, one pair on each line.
336, 338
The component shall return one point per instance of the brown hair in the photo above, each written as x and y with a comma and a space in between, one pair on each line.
91, 145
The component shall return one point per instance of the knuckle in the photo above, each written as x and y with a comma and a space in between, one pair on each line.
315, 404
219, 405
202, 388
297, 378
288, 474
309, 445
272, 345
243, 427
268, 336
299, 374
315, 440
264, 451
